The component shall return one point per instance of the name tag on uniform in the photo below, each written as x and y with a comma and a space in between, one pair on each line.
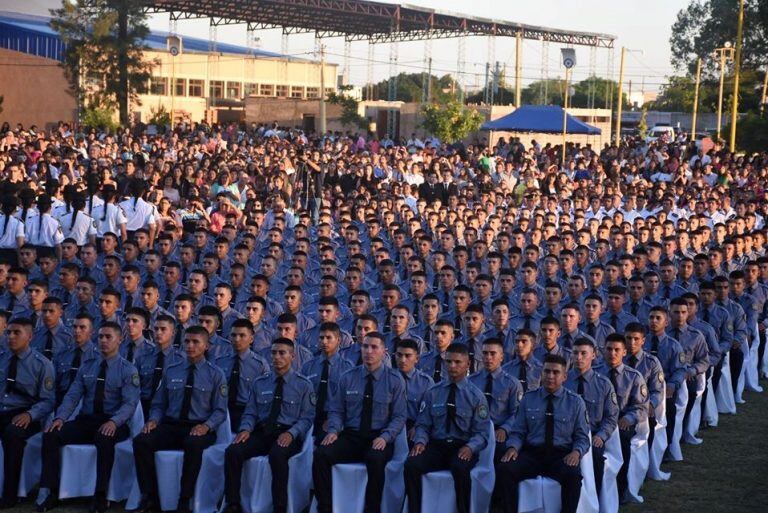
310, 376
177, 381
267, 392
353, 392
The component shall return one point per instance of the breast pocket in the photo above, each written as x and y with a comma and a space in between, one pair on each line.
381, 407
175, 391
202, 393
291, 408
464, 419
263, 405
439, 412
563, 427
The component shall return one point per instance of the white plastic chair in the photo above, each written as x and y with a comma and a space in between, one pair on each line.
726, 402
169, 466
763, 366
710, 414
691, 427
638, 462
542, 494
751, 378
439, 494
609, 492
78, 466
256, 491
350, 479
655, 453
681, 401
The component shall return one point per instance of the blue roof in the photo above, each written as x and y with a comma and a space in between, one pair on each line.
541, 119
33, 35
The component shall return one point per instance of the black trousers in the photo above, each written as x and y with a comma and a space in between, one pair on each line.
536, 461
83, 430
260, 444
598, 464
14, 441
235, 415
625, 435
169, 435
651, 431
440, 455
671, 417
350, 447
760, 352
737, 362
693, 385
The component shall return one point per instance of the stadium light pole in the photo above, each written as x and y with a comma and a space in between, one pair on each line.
736, 76
725, 52
696, 99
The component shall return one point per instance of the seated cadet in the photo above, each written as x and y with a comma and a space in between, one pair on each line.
26, 399
287, 327
135, 344
451, 430
614, 313
631, 396
416, 382
67, 362
364, 419
694, 348
150, 297
432, 363
255, 308
502, 391
472, 334
570, 319
222, 296
524, 366
498, 326
650, 368
185, 413
108, 386
109, 308
85, 291
592, 325
276, 420
599, 398
209, 318
241, 368
549, 437
324, 372
400, 324
365, 324
153, 362
183, 309
15, 298
549, 333
50, 336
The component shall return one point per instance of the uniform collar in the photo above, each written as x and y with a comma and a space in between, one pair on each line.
24, 354
558, 393
376, 373
287, 377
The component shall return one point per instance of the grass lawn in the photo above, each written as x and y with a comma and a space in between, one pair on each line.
728, 473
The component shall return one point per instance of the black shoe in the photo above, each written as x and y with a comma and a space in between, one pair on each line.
147, 505
49, 503
9, 502
100, 504
183, 506
233, 508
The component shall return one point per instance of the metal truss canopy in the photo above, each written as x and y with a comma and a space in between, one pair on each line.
362, 20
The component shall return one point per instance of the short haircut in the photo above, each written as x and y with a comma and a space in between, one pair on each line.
408, 343
555, 358
458, 348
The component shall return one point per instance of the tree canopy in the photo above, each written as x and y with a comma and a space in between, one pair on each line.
410, 87
450, 121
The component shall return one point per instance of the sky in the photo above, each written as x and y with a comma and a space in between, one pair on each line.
643, 27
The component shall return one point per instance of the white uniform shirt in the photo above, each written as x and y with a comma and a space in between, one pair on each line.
114, 220
10, 232
48, 233
84, 227
139, 215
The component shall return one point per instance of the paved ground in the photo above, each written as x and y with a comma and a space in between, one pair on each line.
728, 473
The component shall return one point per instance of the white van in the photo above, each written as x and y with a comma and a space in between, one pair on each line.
660, 131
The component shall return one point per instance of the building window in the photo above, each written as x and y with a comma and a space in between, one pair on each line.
329, 90
196, 87
251, 89
216, 89
180, 86
158, 86
233, 90
267, 90
281, 91
313, 93
297, 92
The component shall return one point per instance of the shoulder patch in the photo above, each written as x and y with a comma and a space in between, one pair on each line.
422, 406
313, 399
614, 399
223, 390
660, 377
644, 390
520, 395
482, 411
135, 379
48, 383
681, 358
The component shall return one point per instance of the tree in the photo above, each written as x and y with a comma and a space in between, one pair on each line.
450, 121
751, 133
705, 25
104, 61
349, 112
410, 87
551, 90
677, 94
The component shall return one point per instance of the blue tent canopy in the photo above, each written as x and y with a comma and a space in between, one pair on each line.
546, 119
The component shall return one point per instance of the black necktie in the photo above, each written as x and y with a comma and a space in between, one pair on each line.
277, 404
471, 348
393, 356
633, 309
157, 374
387, 322
677, 334
75, 364
633, 361
322, 396
549, 429
527, 323
34, 319
189, 387
10, 379
131, 350
614, 374
488, 388
366, 417
12, 303
98, 397
438, 372
177, 336
666, 292
446, 301
591, 329
234, 381
48, 350
655, 345
522, 375
86, 271
615, 321
580, 387
705, 314
168, 299
450, 404
428, 334
416, 308
129, 302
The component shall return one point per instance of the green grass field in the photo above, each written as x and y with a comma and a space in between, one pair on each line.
728, 473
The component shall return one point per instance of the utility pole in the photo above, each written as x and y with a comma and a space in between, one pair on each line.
518, 68
322, 91
487, 83
764, 97
736, 76
619, 105
565, 110
696, 99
